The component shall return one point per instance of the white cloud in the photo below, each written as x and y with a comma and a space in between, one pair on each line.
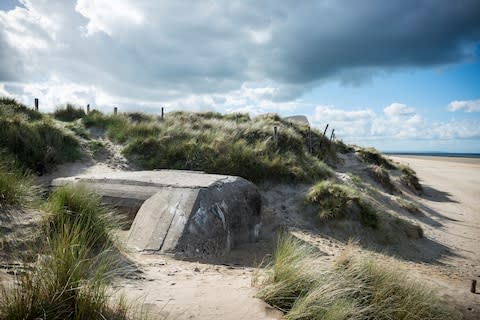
398, 110
465, 105
106, 16
346, 122
399, 122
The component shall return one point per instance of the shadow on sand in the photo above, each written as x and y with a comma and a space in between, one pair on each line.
433, 194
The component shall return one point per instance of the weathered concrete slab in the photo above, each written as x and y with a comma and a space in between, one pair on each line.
299, 119
183, 212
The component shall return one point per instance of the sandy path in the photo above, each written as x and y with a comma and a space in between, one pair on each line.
176, 289
452, 198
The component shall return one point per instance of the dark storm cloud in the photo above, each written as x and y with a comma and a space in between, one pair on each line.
157, 49
319, 39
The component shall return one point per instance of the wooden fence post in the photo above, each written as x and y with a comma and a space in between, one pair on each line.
115, 110
325, 131
473, 288
275, 135
88, 108
321, 139
162, 114
36, 104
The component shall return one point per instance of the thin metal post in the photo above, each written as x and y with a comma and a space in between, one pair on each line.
275, 135
88, 108
162, 114
115, 110
36, 104
331, 136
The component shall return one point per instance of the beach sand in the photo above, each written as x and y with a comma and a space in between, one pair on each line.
452, 200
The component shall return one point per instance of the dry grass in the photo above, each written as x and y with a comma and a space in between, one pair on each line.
230, 144
359, 286
381, 176
70, 281
339, 201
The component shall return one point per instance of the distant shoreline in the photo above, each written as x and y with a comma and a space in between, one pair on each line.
435, 154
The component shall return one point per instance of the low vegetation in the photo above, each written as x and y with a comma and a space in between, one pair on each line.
32, 140
231, 144
381, 176
68, 113
70, 281
10, 107
372, 156
409, 178
337, 201
16, 189
343, 148
358, 286
409, 206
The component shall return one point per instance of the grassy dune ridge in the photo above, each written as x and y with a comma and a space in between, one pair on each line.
231, 144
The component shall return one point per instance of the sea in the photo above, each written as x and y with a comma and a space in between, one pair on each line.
435, 154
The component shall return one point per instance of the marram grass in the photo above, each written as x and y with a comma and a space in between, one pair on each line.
70, 280
358, 286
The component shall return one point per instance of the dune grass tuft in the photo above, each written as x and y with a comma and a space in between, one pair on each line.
381, 176
36, 145
409, 178
372, 156
338, 201
16, 189
358, 286
10, 107
70, 281
68, 113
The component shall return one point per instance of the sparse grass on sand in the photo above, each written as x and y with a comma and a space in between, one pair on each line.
33, 140
230, 144
372, 156
337, 201
16, 189
381, 176
357, 287
409, 178
68, 113
70, 280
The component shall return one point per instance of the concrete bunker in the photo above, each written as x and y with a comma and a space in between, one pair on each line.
187, 213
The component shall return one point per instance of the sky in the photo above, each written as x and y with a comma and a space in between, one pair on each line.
396, 75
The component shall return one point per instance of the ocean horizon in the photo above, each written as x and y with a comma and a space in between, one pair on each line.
434, 154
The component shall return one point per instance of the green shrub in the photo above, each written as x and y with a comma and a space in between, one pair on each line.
372, 156
338, 201
359, 286
68, 113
